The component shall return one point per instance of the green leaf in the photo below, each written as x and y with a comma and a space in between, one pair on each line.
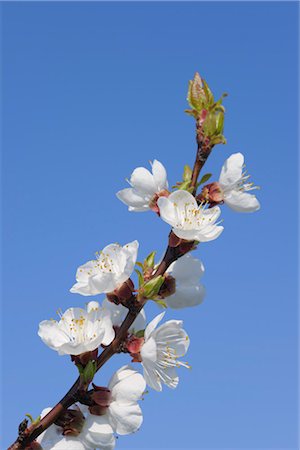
149, 261
187, 173
205, 178
152, 287
29, 417
80, 369
161, 303
184, 186
140, 333
219, 139
32, 420
140, 277
89, 372
208, 93
141, 265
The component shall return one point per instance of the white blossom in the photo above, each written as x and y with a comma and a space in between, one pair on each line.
189, 292
235, 185
112, 266
145, 187
188, 220
78, 330
123, 416
161, 351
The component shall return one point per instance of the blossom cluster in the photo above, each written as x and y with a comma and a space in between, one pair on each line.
157, 348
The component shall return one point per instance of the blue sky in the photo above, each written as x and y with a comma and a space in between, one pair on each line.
92, 90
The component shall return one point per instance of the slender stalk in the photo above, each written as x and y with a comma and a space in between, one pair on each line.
171, 255
203, 152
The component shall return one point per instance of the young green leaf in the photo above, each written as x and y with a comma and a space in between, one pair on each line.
205, 178
152, 287
140, 277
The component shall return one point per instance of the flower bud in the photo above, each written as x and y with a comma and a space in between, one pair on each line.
199, 95
71, 421
134, 344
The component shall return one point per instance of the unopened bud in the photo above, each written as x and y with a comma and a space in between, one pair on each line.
134, 344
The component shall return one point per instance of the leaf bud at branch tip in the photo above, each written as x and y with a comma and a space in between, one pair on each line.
209, 114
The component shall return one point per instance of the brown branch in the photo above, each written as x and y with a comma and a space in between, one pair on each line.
203, 152
171, 255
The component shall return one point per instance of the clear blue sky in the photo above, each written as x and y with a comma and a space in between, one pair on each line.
92, 90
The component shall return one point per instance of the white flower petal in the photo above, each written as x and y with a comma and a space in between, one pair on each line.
182, 199
92, 306
125, 419
130, 251
151, 377
159, 175
133, 199
152, 325
97, 432
241, 201
187, 270
142, 181
210, 234
189, 235
127, 385
51, 334
172, 333
186, 296
167, 210
169, 377
231, 171
149, 351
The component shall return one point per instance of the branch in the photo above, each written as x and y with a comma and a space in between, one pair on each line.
203, 152
171, 255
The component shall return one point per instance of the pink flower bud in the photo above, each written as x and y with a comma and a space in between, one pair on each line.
134, 344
